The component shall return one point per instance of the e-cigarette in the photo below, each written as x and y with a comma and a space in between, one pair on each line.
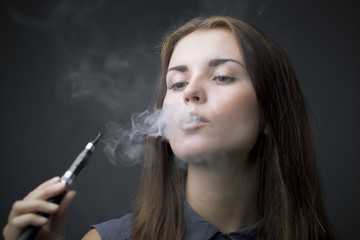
68, 178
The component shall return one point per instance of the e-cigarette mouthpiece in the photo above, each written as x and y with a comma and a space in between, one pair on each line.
80, 162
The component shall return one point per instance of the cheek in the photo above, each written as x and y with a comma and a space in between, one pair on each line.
240, 118
171, 99
241, 107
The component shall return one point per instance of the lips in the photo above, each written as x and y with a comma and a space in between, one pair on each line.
193, 121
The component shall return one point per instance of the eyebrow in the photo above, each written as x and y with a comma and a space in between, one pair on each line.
212, 63
181, 68
217, 62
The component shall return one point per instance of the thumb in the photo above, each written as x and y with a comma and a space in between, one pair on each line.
57, 220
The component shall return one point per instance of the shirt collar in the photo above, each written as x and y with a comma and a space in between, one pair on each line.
198, 228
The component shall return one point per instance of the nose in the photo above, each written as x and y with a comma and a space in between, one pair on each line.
194, 92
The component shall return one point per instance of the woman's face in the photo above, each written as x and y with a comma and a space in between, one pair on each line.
215, 106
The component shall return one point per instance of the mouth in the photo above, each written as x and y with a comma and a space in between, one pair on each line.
193, 121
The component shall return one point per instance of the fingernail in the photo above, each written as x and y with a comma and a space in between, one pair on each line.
59, 185
55, 179
53, 205
43, 220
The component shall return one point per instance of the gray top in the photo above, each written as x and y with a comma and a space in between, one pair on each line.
196, 228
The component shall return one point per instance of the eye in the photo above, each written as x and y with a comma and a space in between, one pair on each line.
176, 86
223, 79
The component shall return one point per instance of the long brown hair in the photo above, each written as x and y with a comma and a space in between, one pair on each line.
290, 201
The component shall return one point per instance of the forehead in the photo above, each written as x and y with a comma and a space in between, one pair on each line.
206, 45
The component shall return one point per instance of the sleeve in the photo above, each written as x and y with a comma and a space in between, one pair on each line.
115, 229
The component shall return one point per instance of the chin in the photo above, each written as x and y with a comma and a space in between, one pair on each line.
198, 157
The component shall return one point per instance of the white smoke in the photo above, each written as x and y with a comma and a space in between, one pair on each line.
119, 83
125, 145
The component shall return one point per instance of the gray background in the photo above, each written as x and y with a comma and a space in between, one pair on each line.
70, 67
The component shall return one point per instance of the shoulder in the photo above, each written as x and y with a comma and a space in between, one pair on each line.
119, 229
92, 235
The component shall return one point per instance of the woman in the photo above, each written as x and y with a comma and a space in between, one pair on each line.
246, 140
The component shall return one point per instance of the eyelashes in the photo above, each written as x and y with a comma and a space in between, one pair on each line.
219, 79
177, 85
223, 79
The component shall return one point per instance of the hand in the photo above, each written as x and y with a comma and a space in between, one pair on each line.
23, 212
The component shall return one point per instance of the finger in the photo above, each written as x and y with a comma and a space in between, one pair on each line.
14, 227
32, 206
64, 206
43, 185
48, 182
28, 219
48, 191
57, 220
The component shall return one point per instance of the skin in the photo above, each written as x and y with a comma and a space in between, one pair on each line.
207, 78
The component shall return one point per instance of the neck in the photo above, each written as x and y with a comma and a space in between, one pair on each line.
224, 194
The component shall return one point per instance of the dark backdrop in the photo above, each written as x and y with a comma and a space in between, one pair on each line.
70, 67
